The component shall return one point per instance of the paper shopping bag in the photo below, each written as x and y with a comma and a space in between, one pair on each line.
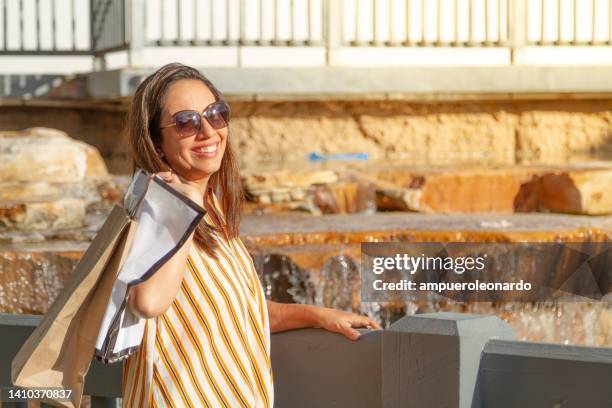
59, 351
166, 218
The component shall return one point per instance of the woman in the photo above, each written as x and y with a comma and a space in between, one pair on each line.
207, 337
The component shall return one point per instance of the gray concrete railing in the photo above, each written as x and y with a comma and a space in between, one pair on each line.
428, 360
521, 374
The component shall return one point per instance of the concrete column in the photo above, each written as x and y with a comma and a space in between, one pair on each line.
14, 331
428, 360
99, 63
532, 375
333, 40
136, 29
103, 382
104, 402
517, 20
315, 368
431, 360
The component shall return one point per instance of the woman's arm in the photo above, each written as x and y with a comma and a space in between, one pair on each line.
284, 316
153, 297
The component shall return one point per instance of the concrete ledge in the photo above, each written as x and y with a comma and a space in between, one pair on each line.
530, 375
429, 360
314, 368
103, 382
343, 82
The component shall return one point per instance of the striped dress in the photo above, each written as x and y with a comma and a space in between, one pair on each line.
211, 348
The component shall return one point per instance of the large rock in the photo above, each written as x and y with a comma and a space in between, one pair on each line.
28, 215
451, 190
567, 189
47, 180
312, 190
42, 154
556, 136
442, 138
284, 186
345, 197
577, 191
31, 278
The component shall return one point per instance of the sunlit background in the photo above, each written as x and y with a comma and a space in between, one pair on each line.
34, 33
353, 120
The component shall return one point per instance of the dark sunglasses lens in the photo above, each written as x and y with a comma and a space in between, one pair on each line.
187, 123
217, 115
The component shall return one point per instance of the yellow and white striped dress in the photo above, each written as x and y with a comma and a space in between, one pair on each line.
212, 346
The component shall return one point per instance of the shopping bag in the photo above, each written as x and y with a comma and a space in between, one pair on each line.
165, 221
60, 350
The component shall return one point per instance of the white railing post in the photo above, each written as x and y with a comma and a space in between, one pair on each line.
136, 31
333, 30
99, 63
517, 27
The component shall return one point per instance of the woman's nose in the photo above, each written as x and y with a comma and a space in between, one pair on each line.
206, 131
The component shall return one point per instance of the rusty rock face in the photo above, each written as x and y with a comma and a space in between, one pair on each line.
47, 180
53, 202
306, 259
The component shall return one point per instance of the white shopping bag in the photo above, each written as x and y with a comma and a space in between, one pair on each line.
164, 220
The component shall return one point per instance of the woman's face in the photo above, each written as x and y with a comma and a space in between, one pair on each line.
198, 156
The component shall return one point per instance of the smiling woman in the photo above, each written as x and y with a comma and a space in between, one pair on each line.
207, 336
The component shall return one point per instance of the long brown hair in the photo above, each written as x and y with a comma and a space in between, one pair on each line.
144, 136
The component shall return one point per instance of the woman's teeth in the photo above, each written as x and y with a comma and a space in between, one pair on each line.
207, 149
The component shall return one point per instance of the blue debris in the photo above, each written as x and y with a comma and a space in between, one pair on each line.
317, 157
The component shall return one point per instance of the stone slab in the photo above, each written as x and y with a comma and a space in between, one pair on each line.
431, 360
314, 368
573, 189
530, 375
342, 81
44, 154
56, 214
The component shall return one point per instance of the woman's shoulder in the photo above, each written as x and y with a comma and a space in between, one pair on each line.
215, 216
214, 201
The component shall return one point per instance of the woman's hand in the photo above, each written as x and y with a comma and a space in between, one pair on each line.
343, 322
284, 316
190, 190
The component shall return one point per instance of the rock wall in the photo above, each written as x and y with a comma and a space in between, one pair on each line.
316, 260
47, 180
504, 131
496, 132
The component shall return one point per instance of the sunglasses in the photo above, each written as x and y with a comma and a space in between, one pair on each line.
189, 122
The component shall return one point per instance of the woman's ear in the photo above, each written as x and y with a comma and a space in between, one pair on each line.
159, 152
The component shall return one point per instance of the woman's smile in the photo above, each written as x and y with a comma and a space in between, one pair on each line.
206, 150
198, 156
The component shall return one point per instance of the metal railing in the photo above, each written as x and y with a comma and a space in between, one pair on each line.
427, 23
71, 27
569, 22
43, 27
108, 25
235, 22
